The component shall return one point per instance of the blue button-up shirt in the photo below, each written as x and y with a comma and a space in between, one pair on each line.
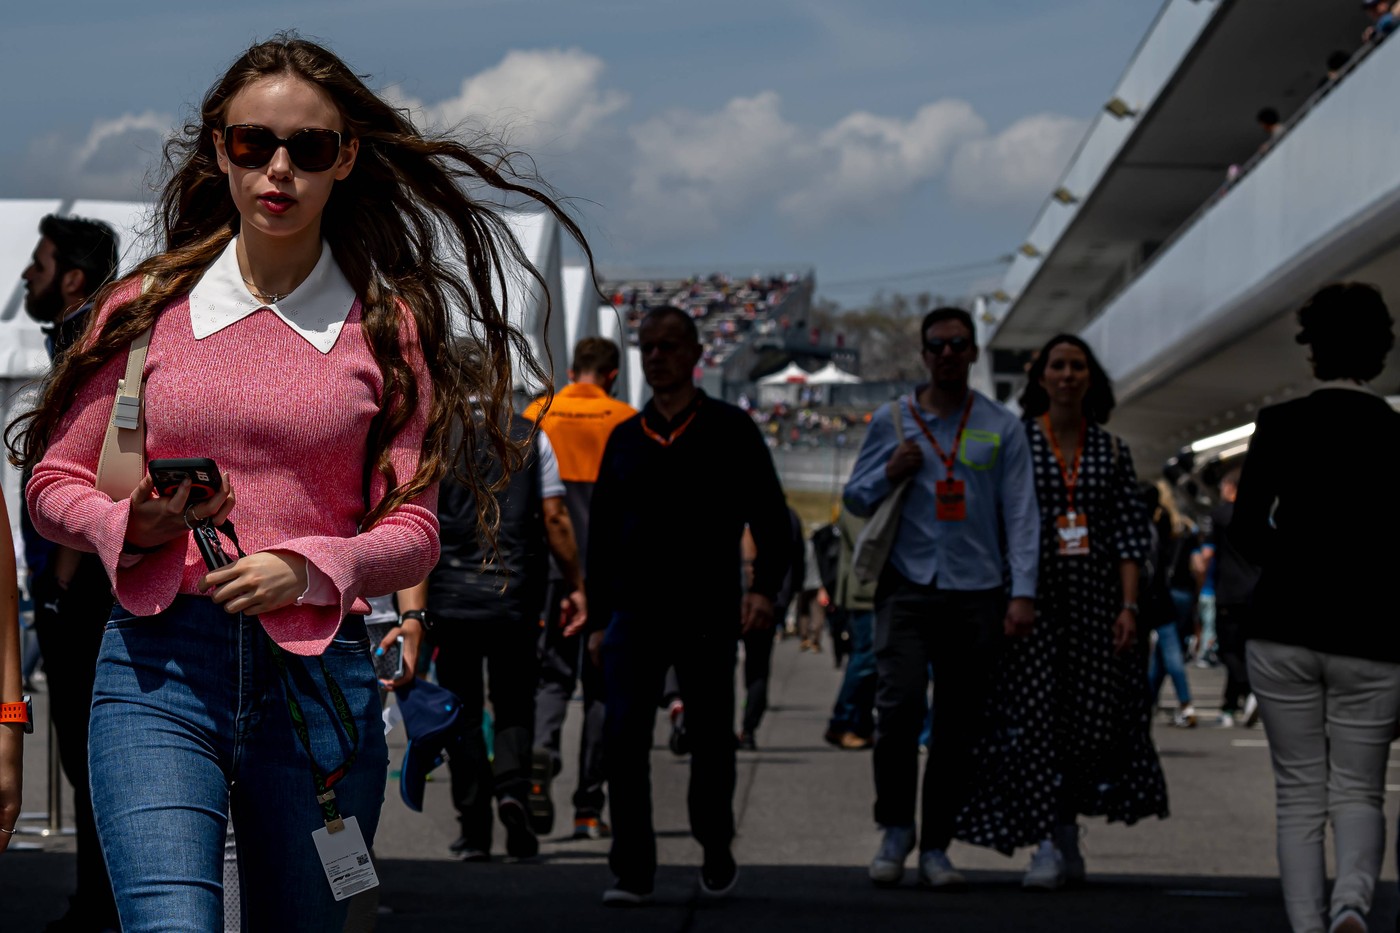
994, 462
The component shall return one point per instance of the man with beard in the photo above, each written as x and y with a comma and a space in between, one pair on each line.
71, 592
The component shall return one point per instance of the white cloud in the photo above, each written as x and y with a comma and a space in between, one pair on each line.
871, 161
536, 98
693, 171
117, 158
1021, 163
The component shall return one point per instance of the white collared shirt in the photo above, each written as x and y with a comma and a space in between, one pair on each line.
316, 309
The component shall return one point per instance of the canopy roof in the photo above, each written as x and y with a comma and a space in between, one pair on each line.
791, 374
832, 375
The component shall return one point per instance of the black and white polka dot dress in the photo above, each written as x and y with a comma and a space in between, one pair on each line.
1068, 728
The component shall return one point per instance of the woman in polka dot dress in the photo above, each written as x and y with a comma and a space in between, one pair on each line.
1069, 725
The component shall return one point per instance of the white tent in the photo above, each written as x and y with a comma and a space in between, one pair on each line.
580, 305
23, 358
631, 383
791, 374
832, 375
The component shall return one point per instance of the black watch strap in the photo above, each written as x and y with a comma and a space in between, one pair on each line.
420, 614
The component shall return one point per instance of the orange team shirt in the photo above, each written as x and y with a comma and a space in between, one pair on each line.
578, 424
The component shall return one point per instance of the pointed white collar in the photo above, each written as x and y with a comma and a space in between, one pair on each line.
316, 310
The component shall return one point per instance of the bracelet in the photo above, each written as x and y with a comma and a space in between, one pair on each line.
1131, 607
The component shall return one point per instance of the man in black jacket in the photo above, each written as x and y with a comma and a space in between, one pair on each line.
677, 486
72, 595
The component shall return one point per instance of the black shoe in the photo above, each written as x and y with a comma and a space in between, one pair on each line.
520, 841
745, 743
719, 875
540, 805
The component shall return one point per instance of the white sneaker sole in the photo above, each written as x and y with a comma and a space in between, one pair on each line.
616, 897
886, 874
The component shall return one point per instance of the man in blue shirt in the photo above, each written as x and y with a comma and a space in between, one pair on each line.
969, 521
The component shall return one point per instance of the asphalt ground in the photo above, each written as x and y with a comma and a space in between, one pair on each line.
805, 837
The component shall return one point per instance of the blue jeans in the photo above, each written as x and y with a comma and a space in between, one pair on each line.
855, 703
1167, 659
190, 719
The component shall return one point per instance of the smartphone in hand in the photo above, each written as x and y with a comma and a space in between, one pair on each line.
389, 665
169, 472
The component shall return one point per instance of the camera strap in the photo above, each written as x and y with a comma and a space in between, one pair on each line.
323, 781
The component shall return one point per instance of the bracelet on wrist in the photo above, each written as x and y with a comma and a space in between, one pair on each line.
1131, 607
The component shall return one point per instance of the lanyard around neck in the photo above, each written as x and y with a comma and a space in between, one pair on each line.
666, 440
950, 457
1070, 474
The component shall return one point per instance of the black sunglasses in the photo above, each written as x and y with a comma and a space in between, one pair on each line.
251, 146
937, 345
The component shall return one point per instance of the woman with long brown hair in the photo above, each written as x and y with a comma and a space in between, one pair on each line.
299, 321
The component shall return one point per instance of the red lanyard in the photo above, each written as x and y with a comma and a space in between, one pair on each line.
668, 440
951, 456
1069, 474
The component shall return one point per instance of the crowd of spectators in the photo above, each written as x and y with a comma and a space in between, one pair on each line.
723, 308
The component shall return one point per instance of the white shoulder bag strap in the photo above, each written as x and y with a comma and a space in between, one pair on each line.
123, 459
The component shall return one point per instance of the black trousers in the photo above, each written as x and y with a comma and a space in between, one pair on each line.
69, 639
758, 668
563, 664
959, 633
1231, 629
637, 651
505, 648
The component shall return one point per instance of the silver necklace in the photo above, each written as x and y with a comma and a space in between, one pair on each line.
266, 297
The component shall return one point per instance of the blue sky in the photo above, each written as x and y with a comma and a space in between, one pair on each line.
864, 139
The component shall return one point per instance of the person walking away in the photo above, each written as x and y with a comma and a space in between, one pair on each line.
1235, 577
1323, 658
676, 487
1071, 716
852, 724
1166, 609
302, 226
484, 600
578, 421
72, 596
941, 599
758, 643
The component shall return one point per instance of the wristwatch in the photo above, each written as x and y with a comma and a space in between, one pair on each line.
23, 711
420, 614
1131, 607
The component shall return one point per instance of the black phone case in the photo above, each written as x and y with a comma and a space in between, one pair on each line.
169, 472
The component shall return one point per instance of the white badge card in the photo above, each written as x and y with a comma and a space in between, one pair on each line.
345, 857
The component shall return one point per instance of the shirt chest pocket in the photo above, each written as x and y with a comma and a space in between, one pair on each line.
980, 449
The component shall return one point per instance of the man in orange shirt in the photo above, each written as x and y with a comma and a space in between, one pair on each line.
578, 424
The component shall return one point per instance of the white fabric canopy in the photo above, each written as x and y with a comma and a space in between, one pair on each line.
791, 374
832, 375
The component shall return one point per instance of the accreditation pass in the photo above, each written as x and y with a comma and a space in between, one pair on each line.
345, 857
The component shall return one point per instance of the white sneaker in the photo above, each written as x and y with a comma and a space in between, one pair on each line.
1251, 711
887, 868
936, 871
1227, 721
1047, 871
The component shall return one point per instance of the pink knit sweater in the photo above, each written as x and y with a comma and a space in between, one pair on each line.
290, 424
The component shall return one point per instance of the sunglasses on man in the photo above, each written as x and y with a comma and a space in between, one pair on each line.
937, 345
251, 146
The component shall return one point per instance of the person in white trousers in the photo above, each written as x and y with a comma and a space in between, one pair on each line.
1324, 654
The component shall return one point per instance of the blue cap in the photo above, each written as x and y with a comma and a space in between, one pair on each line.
430, 717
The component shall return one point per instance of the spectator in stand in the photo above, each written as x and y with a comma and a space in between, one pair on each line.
578, 423
1335, 63
852, 724
1324, 652
1235, 577
676, 487
1070, 732
969, 515
1383, 20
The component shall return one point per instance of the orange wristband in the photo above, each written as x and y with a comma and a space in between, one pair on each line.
23, 711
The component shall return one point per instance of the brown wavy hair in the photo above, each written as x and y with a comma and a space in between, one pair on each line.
395, 225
